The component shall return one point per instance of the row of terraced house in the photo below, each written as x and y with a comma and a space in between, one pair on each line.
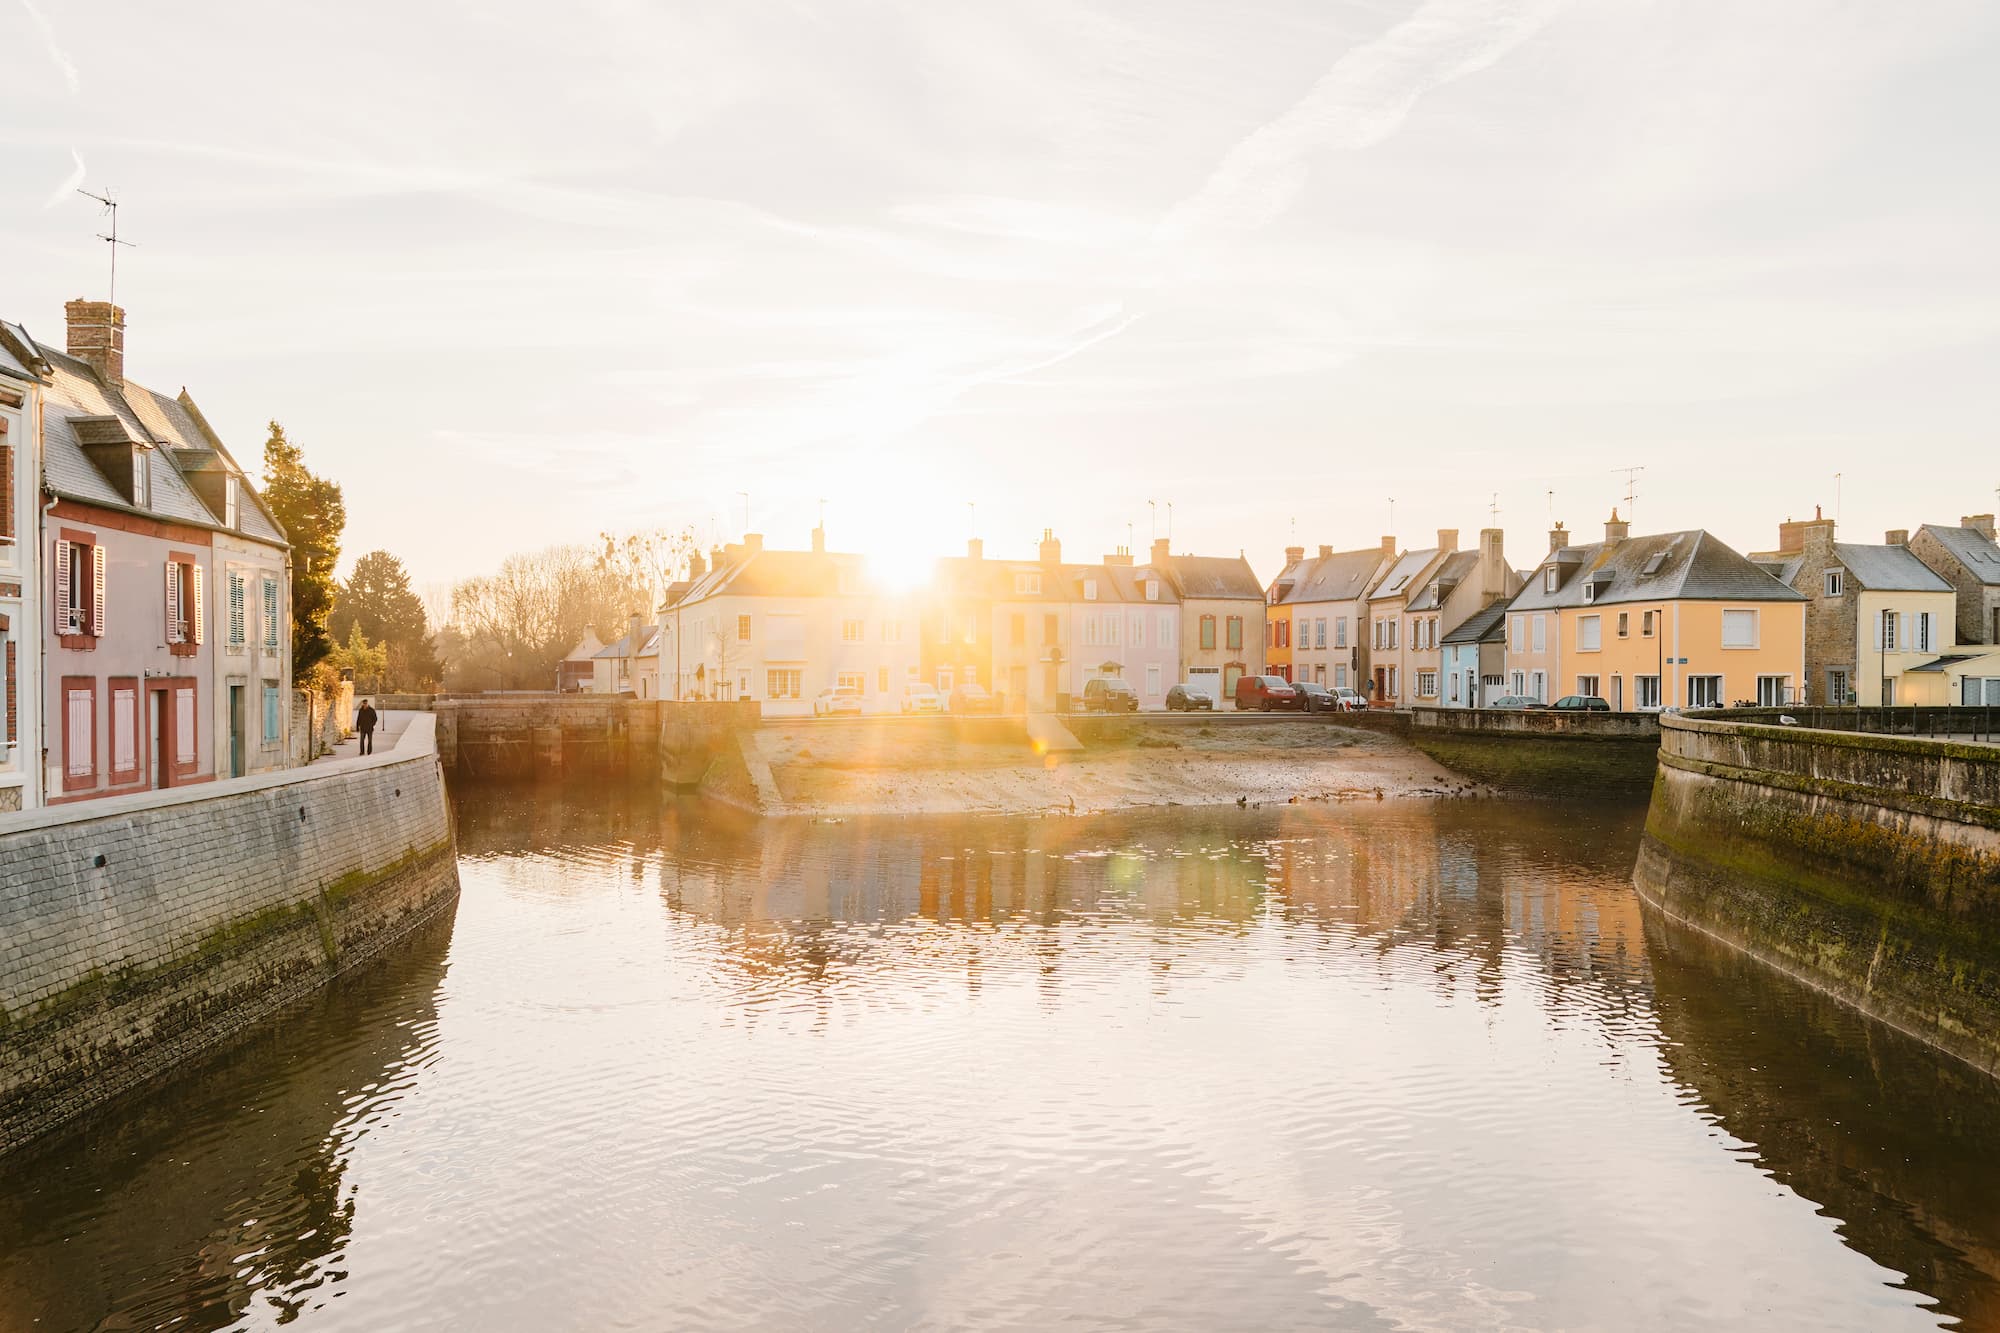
145, 611
1668, 620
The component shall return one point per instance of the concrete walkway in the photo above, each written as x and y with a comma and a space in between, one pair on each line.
386, 732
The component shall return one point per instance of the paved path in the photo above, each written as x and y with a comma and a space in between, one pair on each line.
386, 731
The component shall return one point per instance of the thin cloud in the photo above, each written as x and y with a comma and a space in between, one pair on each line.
70, 184
56, 53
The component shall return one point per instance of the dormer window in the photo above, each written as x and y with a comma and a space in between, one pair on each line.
142, 478
1152, 590
1028, 583
1550, 578
1090, 590
1589, 592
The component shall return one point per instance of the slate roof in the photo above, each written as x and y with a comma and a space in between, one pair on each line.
1972, 549
1339, 577
1887, 568
1486, 625
1228, 577
1690, 565
1401, 578
183, 443
649, 646
1454, 569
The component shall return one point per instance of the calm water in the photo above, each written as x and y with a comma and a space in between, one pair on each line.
1372, 1067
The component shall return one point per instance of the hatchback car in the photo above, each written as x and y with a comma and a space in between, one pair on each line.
1265, 693
919, 697
971, 698
1581, 703
1109, 696
1313, 697
1347, 701
841, 700
1188, 699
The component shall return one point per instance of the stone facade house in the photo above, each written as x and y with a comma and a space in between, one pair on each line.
1967, 558
1318, 611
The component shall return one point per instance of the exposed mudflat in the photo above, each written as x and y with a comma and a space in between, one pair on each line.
833, 770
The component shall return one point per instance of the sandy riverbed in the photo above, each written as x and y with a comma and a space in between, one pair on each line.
827, 771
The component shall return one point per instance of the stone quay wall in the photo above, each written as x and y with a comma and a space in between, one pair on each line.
1543, 752
547, 737
139, 932
1865, 865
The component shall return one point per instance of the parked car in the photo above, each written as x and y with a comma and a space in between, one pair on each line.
971, 698
919, 697
1109, 696
841, 699
1516, 701
1187, 699
1313, 697
1265, 693
1347, 701
1581, 703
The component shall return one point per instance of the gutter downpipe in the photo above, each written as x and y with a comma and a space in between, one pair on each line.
42, 639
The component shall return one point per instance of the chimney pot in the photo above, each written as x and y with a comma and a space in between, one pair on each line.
1294, 554
819, 540
97, 336
1558, 537
975, 549
1051, 552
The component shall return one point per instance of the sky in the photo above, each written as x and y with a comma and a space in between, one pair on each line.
514, 275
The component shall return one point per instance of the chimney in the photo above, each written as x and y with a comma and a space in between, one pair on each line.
1979, 523
975, 549
1558, 537
1388, 548
753, 542
1051, 552
1616, 529
819, 540
1325, 550
1447, 540
97, 335
1161, 553
1896, 537
1795, 536
1492, 563
696, 566
1122, 556
1294, 554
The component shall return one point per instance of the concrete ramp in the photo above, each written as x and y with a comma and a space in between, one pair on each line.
1048, 735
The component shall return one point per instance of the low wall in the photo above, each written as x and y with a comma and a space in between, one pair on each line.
138, 932
1866, 865
548, 736
1577, 755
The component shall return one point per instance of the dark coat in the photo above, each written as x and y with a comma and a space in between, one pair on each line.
366, 718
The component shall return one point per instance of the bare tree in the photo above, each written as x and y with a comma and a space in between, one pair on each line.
649, 560
518, 622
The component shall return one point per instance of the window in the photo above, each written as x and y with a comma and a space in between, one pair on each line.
1427, 684
1739, 629
142, 478
1587, 685
1837, 686
1980, 691
1836, 582
892, 631
971, 674
742, 629
271, 712
1283, 629
1017, 629
1624, 624
1138, 639
1520, 684
184, 733
1340, 632
1646, 624
851, 680
1319, 632
1113, 623
882, 679
1549, 579
851, 631
1165, 630
1028, 583
1208, 631
1090, 590
1304, 639
1051, 629
1774, 691
1152, 590
1454, 687
1392, 682
1392, 634
782, 683
1376, 631
79, 591
1235, 629
10, 704
186, 616
270, 615
1540, 635
1589, 591
79, 695
1923, 631
1704, 691
1340, 675
1541, 686
1589, 636
1089, 631
1646, 691
1888, 691
238, 612
1519, 632
1152, 680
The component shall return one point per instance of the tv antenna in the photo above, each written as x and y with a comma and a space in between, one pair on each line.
110, 202
1170, 520
745, 497
1836, 500
1153, 519
1631, 488
1494, 508
972, 516
1392, 514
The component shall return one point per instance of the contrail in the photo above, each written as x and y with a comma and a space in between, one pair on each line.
56, 53
70, 182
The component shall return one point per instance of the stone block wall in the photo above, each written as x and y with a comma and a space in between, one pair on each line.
545, 736
139, 931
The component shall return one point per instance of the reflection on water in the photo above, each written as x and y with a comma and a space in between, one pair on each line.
1354, 1067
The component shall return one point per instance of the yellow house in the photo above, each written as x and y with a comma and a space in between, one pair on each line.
1674, 620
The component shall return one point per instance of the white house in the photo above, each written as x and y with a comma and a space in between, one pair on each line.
20, 581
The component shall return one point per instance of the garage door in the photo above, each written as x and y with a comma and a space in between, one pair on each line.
1208, 680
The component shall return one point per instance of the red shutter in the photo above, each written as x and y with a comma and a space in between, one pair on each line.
173, 601
97, 591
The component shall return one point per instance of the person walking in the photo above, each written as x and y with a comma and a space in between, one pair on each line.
364, 722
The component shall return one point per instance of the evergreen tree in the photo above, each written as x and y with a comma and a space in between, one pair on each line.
378, 599
312, 513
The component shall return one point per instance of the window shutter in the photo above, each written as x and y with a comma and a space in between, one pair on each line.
271, 614
173, 601
97, 591
1881, 630
1923, 631
200, 608
65, 623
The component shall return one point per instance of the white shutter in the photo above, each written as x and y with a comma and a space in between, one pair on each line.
97, 591
1923, 631
1881, 631
271, 614
79, 745
184, 725
65, 595
200, 607
173, 601
124, 729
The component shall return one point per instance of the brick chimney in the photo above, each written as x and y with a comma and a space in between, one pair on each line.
1896, 537
1162, 552
1122, 556
975, 549
1294, 554
819, 540
1616, 529
1793, 536
1051, 552
697, 566
1388, 548
1980, 523
1492, 563
1325, 550
1558, 536
1447, 540
97, 335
